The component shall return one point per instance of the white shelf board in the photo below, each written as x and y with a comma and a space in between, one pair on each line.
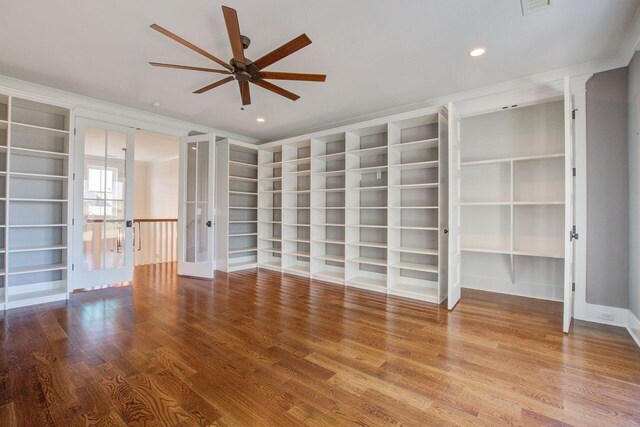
299, 254
239, 265
47, 295
331, 241
416, 267
426, 292
330, 157
38, 249
416, 165
372, 151
301, 160
329, 190
36, 269
242, 164
271, 239
242, 234
39, 130
38, 153
412, 186
366, 226
540, 254
271, 250
35, 225
289, 224
241, 250
37, 176
17, 199
330, 275
330, 173
539, 203
298, 240
371, 188
333, 258
511, 159
249, 221
499, 251
369, 261
367, 282
298, 173
269, 222
272, 178
416, 250
272, 165
270, 265
246, 208
369, 244
328, 224
242, 178
401, 227
296, 191
416, 145
370, 169
243, 193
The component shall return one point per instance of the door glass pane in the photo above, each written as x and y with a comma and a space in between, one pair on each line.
203, 232
190, 233
104, 199
192, 156
203, 172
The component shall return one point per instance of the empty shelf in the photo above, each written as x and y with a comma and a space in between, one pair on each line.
241, 250
62, 293
38, 153
417, 165
427, 291
373, 151
331, 173
416, 145
369, 282
371, 188
331, 275
370, 169
243, 234
512, 159
411, 186
37, 268
416, 250
369, 244
331, 241
40, 130
14, 199
329, 157
299, 253
370, 261
272, 250
242, 164
27, 175
334, 258
38, 248
416, 267
242, 178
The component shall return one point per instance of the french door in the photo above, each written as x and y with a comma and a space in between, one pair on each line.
569, 211
103, 190
454, 256
196, 213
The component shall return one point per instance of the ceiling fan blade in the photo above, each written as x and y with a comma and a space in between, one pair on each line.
191, 46
283, 51
233, 28
276, 75
245, 93
277, 89
214, 85
188, 67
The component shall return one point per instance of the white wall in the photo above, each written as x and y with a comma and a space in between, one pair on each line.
163, 189
141, 190
607, 189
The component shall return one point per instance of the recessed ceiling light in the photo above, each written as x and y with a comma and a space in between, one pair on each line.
156, 104
477, 52
260, 120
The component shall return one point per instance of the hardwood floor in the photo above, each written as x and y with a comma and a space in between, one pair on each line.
256, 348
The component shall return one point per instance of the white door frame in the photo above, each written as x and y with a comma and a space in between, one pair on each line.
88, 279
454, 255
203, 269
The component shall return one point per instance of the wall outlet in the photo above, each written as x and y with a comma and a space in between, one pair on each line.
606, 316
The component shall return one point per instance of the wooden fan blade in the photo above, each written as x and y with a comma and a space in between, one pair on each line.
277, 89
245, 93
188, 67
283, 51
276, 75
233, 28
191, 46
214, 85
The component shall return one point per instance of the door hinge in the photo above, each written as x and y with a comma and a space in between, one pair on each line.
573, 286
573, 113
573, 234
73, 267
74, 176
75, 131
574, 171
73, 221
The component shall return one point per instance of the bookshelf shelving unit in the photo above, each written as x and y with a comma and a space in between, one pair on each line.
35, 157
237, 197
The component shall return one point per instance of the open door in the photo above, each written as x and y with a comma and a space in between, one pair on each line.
196, 213
454, 255
103, 209
569, 198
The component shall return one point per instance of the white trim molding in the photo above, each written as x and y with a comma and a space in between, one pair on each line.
633, 326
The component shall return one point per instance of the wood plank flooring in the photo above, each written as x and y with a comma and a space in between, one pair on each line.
256, 348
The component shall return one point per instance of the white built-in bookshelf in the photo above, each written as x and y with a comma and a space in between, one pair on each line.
237, 205
34, 199
270, 208
365, 208
513, 201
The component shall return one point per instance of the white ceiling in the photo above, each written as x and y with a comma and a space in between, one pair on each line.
378, 54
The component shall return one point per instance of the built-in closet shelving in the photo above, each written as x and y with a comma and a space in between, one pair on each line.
237, 196
366, 207
296, 208
270, 208
328, 208
34, 202
513, 201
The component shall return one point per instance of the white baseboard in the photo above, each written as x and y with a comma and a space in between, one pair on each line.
633, 326
606, 315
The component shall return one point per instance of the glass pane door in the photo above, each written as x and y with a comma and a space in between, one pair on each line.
103, 182
196, 213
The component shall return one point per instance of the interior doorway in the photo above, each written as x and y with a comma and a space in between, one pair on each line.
155, 198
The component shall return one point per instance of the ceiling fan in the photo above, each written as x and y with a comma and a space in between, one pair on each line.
239, 67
